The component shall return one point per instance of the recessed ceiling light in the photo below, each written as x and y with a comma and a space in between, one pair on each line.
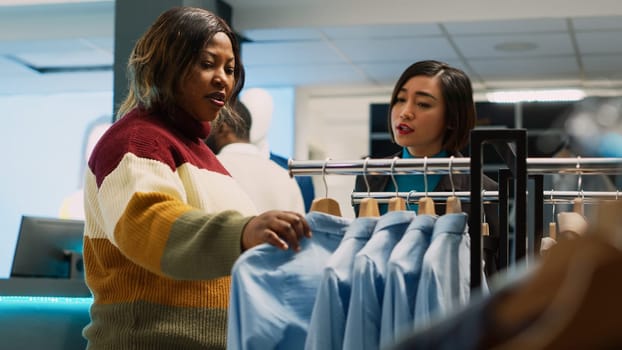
513, 96
516, 46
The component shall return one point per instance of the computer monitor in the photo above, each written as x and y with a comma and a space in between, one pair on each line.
49, 248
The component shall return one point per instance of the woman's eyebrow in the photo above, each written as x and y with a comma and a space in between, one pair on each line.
425, 94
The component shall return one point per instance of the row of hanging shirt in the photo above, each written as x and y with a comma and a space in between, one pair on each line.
356, 284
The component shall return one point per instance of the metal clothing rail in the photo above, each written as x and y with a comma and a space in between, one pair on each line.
459, 165
549, 197
554, 196
413, 197
379, 166
574, 165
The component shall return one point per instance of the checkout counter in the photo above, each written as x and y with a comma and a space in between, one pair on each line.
43, 313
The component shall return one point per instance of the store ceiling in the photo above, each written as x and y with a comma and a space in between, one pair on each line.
69, 46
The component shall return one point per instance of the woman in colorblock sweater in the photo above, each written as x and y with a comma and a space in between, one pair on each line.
164, 220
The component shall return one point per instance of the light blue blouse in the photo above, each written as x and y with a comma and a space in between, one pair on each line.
328, 319
272, 290
445, 276
403, 273
362, 330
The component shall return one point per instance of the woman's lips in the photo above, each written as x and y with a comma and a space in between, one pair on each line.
404, 129
217, 98
217, 102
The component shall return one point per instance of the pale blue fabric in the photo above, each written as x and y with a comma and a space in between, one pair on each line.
273, 291
403, 273
445, 276
463, 330
466, 328
368, 277
328, 319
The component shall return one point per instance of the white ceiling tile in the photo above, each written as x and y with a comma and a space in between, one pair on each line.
56, 46
600, 42
382, 31
102, 43
603, 66
298, 52
12, 68
507, 27
76, 58
282, 34
385, 72
304, 74
546, 44
528, 68
408, 49
388, 72
597, 23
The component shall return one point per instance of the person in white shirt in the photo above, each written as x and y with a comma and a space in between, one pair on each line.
269, 186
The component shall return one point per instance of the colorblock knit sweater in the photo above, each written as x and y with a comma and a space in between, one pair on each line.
162, 231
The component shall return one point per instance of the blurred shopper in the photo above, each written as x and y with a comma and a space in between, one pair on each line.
261, 106
268, 185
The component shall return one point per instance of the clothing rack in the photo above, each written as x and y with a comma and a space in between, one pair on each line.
511, 146
459, 165
549, 197
412, 197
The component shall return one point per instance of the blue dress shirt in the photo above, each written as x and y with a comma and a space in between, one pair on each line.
273, 291
328, 319
403, 273
445, 276
363, 321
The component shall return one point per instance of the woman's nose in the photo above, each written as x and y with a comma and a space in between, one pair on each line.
218, 78
406, 114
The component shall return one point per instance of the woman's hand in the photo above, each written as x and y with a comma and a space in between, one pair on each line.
282, 229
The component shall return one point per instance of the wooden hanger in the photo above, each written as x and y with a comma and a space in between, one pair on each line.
368, 206
577, 203
426, 204
574, 223
485, 229
396, 203
325, 205
546, 243
452, 205
553, 230
552, 224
